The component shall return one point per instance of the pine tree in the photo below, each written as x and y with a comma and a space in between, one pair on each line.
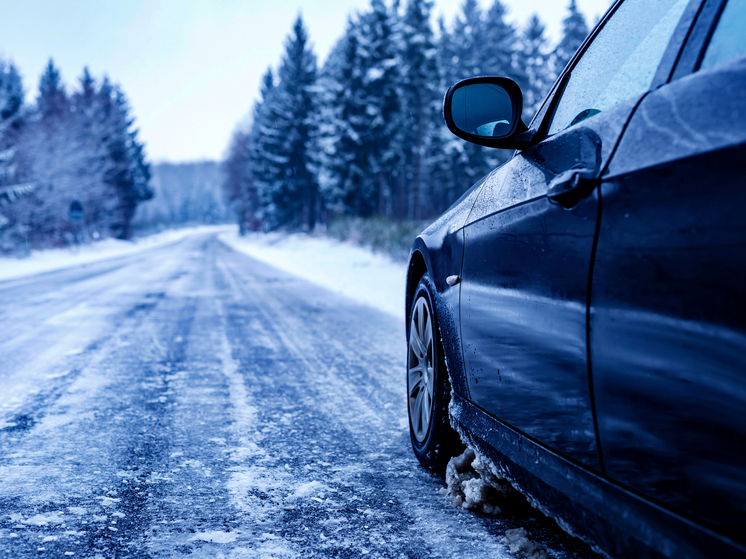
343, 128
480, 44
52, 151
52, 100
290, 185
468, 44
84, 100
445, 156
238, 181
574, 32
88, 129
246, 165
500, 44
128, 171
447, 59
11, 101
11, 91
536, 60
13, 183
75, 151
140, 171
262, 144
420, 95
125, 169
379, 94
359, 113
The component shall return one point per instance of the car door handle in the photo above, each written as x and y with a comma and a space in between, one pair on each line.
569, 187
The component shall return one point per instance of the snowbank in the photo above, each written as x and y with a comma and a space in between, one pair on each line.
356, 272
59, 258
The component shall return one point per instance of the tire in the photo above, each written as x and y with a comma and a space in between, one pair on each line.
428, 389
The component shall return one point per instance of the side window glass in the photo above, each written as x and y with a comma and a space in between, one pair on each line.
728, 42
621, 61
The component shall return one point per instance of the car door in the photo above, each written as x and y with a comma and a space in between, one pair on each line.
529, 239
668, 315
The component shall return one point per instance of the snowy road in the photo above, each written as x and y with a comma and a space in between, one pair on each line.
189, 400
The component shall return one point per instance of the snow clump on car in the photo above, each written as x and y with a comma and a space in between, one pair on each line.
472, 485
520, 545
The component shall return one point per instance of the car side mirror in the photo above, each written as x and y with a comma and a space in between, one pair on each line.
487, 111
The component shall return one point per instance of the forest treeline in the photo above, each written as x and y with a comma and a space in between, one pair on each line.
186, 193
71, 164
363, 134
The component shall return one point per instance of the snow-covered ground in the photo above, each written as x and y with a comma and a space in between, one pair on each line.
354, 271
191, 400
59, 258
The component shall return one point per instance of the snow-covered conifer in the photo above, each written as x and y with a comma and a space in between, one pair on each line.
80, 150
238, 181
447, 58
13, 185
11, 91
382, 138
420, 95
51, 154
359, 132
500, 45
263, 143
574, 32
52, 99
479, 44
128, 171
469, 39
535, 56
286, 180
343, 127
11, 101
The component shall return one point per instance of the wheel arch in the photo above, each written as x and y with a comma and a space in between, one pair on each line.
417, 268
421, 263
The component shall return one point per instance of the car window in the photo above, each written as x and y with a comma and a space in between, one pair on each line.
729, 39
621, 61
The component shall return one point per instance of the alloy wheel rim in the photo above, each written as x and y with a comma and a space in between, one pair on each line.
420, 371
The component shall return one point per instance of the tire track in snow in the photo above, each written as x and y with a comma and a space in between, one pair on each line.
243, 477
341, 383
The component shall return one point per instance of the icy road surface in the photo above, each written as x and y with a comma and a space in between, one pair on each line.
190, 400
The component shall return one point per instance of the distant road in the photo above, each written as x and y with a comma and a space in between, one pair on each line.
189, 400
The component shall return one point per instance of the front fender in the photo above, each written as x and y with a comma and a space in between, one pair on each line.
438, 251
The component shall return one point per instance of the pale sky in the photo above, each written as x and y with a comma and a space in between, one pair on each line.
191, 68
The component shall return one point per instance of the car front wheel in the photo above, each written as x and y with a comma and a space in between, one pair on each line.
433, 439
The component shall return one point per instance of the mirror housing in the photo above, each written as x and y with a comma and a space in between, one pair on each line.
487, 111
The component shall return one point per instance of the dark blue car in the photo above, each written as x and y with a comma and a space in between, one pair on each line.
579, 316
